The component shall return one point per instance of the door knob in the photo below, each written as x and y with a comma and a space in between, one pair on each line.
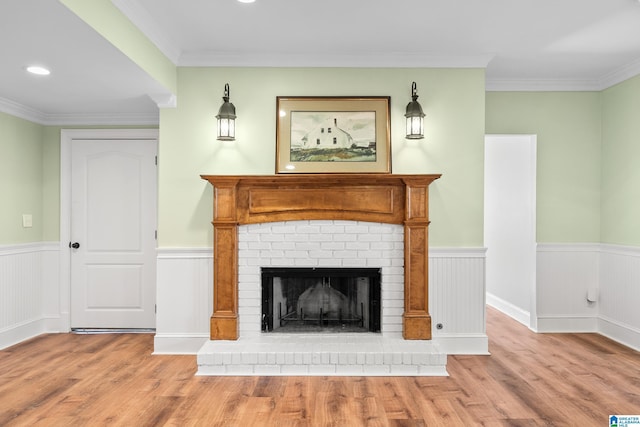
74, 245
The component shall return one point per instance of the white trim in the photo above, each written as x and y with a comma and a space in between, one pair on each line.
21, 332
164, 100
619, 75
624, 334
24, 330
348, 60
23, 248
442, 252
77, 119
21, 111
597, 84
632, 251
569, 247
178, 253
182, 343
516, 313
567, 324
476, 344
542, 85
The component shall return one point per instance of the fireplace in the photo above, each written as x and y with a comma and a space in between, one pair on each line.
383, 198
295, 240
321, 300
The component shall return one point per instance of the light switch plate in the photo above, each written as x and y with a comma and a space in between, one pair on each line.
27, 220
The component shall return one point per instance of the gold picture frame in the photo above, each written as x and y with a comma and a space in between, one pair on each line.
333, 134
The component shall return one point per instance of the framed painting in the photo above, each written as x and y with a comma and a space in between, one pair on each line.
333, 134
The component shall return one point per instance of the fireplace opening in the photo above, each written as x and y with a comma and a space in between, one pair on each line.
321, 300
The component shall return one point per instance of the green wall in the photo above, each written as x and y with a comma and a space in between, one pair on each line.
30, 178
453, 100
568, 128
621, 163
588, 180
21, 179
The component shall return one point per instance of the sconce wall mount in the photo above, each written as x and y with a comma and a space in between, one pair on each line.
226, 118
415, 116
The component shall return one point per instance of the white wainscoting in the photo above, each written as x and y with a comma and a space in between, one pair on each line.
29, 297
619, 294
608, 274
32, 299
456, 300
184, 300
566, 273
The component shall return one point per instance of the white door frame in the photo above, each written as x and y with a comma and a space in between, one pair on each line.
66, 138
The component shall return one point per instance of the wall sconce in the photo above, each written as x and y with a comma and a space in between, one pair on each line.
415, 116
226, 118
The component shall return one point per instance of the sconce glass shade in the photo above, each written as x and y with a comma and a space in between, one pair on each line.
226, 118
415, 116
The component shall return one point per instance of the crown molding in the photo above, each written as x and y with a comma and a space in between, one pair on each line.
164, 100
76, 119
601, 83
621, 74
541, 85
356, 60
22, 111
139, 16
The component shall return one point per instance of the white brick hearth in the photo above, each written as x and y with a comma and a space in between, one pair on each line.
321, 244
319, 354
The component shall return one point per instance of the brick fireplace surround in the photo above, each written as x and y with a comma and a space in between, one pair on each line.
390, 199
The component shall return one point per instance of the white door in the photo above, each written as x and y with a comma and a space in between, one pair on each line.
113, 242
510, 225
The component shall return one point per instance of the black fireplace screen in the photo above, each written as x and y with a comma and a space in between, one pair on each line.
321, 300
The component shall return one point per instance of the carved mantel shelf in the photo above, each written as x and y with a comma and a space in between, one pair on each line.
252, 199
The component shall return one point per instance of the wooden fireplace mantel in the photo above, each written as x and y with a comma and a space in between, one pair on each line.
251, 199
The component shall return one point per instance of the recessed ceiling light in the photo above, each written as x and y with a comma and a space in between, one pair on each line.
41, 71
246, 1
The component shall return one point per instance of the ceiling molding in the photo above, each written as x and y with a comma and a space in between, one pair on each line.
621, 74
77, 119
22, 111
541, 85
121, 119
139, 16
560, 85
356, 60
163, 100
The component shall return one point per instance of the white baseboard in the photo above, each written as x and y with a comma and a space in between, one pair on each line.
624, 334
178, 343
567, 324
509, 309
476, 344
21, 332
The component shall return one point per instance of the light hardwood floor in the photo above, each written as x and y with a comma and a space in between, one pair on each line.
529, 380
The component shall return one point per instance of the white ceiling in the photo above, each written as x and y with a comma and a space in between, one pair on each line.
524, 45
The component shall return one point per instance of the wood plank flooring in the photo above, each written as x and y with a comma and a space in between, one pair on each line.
529, 380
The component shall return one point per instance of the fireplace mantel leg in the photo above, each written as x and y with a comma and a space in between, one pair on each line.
416, 318
224, 321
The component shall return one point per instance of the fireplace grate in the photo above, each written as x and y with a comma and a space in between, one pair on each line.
321, 300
